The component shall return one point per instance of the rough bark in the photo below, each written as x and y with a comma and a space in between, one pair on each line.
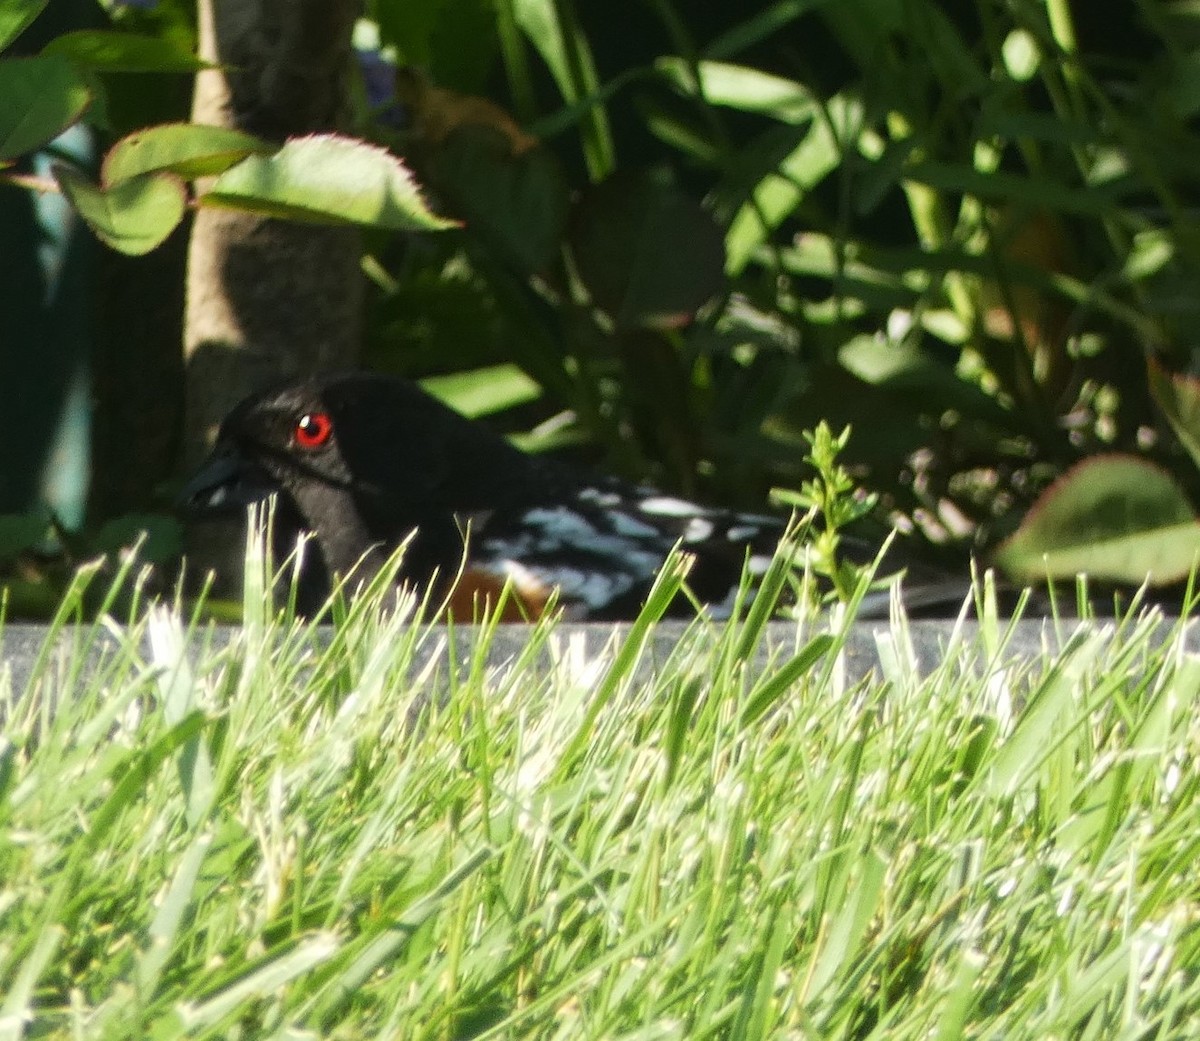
267, 299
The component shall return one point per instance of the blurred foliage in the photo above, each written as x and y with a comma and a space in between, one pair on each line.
966, 228
962, 228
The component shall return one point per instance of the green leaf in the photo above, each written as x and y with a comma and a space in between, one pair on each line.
102, 51
1020, 53
263, 980
1009, 187
1178, 395
915, 375
188, 149
517, 204
329, 180
132, 217
1114, 517
158, 538
743, 88
780, 192
483, 392
21, 531
15, 15
649, 256
773, 686
39, 99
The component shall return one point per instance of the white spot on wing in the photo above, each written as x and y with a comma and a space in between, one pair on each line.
742, 532
758, 564
698, 529
562, 524
594, 588
668, 506
605, 499
630, 527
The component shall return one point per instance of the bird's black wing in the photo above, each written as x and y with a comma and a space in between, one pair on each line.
602, 545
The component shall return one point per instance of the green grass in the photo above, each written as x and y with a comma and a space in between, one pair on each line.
294, 837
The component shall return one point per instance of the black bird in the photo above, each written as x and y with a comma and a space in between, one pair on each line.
363, 461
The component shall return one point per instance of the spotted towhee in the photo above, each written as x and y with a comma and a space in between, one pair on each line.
364, 461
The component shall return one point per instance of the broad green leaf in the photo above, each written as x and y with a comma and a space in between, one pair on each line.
517, 204
1178, 395
483, 392
649, 256
103, 51
157, 537
1184, 89
188, 149
781, 191
132, 217
1114, 517
743, 88
908, 370
21, 531
39, 99
15, 15
329, 180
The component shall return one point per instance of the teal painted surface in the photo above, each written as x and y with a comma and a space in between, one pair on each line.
45, 344
46, 258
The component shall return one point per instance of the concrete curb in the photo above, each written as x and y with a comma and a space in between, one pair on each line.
869, 643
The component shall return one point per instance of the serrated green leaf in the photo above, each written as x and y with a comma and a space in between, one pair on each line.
15, 15
132, 217
39, 99
329, 180
1114, 517
188, 149
104, 51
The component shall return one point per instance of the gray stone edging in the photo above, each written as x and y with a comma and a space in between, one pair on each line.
20, 643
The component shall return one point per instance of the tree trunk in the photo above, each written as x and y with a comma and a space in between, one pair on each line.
268, 299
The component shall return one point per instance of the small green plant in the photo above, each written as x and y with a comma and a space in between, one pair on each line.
830, 501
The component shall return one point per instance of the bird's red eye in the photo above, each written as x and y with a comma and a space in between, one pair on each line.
313, 429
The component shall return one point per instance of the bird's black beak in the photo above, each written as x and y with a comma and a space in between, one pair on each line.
225, 483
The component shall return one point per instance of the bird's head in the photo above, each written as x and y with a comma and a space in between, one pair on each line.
397, 451
362, 461
273, 442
